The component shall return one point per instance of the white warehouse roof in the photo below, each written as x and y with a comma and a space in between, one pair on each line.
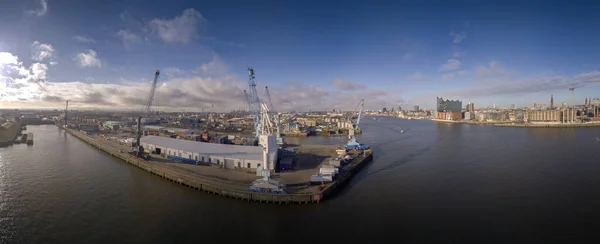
153, 127
213, 149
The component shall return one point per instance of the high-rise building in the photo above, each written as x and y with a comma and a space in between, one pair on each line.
399, 109
445, 105
471, 107
551, 101
392, 110
416, 108
384, 110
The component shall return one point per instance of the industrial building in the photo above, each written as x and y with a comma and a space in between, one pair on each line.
115, 125
445, 105
189, 121
229, 156
30, 119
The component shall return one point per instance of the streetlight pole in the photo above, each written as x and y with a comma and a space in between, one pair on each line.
572, 103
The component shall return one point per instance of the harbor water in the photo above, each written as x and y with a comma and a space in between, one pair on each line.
428, 182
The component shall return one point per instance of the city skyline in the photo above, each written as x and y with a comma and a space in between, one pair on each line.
310, 59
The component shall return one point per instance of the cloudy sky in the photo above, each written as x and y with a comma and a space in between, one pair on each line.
312, 55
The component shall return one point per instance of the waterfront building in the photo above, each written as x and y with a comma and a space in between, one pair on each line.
416, 108
449, 115
567, 115
471, 107
228, 156
446, 105
469, 115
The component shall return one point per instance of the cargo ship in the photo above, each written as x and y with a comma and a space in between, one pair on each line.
29, 138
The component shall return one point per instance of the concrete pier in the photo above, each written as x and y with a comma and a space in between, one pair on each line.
225, 188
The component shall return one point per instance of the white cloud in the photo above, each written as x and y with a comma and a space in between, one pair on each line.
174, 72
416, 76
181, 29
16, 77
215, 67
448, 76
38, 72
41, 51
128, 37
347, 85
8, 58
202, 90
493, 68
84, 39
41, 10
53, 63
458, 37
452, 64
89, 59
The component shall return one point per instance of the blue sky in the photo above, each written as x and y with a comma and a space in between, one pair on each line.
312, 55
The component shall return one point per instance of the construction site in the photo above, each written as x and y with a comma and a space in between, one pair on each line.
256, 168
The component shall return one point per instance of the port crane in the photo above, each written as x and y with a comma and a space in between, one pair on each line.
138, 149
355, 127
262, 124
352, 143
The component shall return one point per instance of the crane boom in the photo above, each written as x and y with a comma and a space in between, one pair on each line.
362, 106
269, 97
255, 107
151, 95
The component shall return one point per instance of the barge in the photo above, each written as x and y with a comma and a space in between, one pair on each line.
29, 138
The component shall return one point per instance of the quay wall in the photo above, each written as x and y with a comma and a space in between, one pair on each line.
223, 189
575, 125
472, 122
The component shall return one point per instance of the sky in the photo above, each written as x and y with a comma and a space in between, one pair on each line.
313, 55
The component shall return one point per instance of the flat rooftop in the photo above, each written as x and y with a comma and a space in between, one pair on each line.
213, 149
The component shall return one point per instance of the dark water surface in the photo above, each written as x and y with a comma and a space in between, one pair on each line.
440, 182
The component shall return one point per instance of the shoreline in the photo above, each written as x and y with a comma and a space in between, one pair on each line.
471, 122
225, 188
15, 128
576, 125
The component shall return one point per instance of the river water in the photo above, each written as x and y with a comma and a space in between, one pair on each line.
442, 182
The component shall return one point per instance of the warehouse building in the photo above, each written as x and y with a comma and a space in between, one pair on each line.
229, 156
